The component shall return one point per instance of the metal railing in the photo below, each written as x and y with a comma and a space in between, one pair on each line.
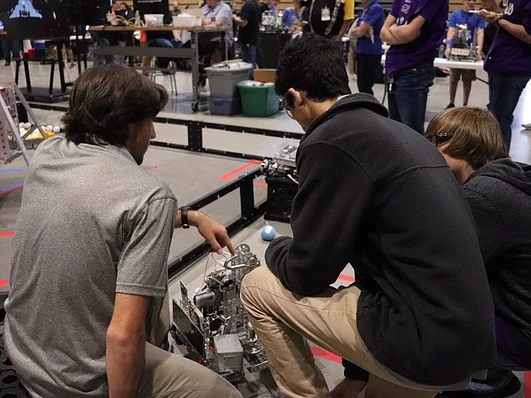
249, 212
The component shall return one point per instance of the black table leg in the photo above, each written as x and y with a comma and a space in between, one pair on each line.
61, 67
27, 73
17, 71
52, 72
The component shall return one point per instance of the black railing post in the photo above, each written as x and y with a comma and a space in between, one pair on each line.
247, 199
195, 137
249, 211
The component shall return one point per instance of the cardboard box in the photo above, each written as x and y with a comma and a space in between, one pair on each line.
265, 75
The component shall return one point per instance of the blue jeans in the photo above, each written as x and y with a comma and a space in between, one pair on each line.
366, 68
102, 41
504, 94
11, 46
166, 43
249, 55
408, 96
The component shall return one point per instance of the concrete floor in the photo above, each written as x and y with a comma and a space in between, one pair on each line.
192, 175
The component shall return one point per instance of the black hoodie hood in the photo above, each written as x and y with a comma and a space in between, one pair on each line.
352, 101
516, 174
499, 195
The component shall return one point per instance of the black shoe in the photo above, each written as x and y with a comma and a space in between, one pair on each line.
450, 105
508, 391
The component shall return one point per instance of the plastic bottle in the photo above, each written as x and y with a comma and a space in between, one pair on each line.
138, 21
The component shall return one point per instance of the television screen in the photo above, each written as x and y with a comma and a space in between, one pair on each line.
40, 19
151, 7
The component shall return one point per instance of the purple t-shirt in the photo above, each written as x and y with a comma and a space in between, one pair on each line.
508, 54
424, 48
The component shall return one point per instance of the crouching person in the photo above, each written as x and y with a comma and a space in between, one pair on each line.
375, 194
498, 192
89, 272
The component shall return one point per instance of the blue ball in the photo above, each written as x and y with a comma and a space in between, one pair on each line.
268, 233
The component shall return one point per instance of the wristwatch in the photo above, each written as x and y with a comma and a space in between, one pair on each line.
184, 217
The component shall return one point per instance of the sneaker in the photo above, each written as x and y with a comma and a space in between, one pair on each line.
527, 126
450, 105
510, 390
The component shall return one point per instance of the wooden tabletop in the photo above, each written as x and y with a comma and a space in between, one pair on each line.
110, 28
3, 33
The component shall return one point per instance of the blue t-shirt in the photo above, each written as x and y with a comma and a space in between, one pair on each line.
373, 15
289, 16
424, 48
472, 21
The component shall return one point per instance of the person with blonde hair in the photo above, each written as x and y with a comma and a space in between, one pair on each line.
498, 191
468, 138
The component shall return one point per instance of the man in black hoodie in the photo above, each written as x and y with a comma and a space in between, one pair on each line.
377, 195
498, 191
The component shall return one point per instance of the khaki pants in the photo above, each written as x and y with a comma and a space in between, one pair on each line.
167, 375
351, 60
283, 321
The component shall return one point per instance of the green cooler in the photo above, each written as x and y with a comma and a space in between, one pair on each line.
258, 99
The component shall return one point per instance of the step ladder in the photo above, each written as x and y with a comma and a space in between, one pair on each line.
11, 141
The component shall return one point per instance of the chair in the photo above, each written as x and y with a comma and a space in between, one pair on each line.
154, 71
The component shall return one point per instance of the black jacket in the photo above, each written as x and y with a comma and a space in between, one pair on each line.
376, 194
499, 195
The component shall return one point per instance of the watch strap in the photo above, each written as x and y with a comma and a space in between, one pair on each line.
184, 217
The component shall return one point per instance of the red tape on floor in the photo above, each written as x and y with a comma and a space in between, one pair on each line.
230, 175
12, 188
4, 282
347, 278
7, 233
527, 381
322, 353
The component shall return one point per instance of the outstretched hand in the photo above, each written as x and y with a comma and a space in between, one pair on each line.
489, 16
214, 233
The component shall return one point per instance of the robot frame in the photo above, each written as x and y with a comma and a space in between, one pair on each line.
214, 326
461, 49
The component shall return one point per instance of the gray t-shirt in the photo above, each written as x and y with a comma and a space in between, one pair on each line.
92, 224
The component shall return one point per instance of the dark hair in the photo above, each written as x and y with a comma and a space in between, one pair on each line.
106, 99
312, 64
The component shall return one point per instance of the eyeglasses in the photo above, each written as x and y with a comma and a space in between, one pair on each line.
440, 138
285, 104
